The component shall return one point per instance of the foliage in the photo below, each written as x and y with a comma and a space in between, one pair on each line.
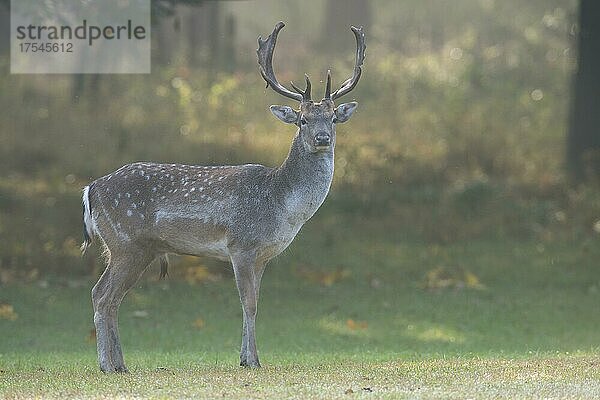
459, 135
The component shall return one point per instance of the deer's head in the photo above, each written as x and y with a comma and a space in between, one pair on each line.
316, 120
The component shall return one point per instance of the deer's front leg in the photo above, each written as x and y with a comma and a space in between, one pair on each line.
243, 267
258, 273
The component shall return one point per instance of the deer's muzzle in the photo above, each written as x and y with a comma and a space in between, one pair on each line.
322, 139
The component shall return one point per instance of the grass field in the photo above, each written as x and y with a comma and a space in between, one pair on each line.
364, 315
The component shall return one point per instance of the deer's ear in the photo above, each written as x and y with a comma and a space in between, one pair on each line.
343, 112
285, 113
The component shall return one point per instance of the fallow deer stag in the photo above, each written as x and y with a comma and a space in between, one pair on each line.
245, 214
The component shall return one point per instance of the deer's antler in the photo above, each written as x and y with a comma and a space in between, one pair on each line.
351, 82
306, 92
265, 61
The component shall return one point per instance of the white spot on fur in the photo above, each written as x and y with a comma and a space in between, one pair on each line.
129, 213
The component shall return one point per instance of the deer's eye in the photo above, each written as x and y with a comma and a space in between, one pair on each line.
303, 121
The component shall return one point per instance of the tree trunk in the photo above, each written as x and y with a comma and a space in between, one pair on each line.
583, 143
228, 53
4, 29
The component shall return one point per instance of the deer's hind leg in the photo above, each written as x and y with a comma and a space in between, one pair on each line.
122, 272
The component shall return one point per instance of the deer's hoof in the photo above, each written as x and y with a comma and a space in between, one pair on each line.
112, 370
247, 364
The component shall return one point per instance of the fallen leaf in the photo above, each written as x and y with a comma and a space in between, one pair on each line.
199, 274
325, 278
198, 323
356, 325
472, 281
349, 391
8, 312
444, 277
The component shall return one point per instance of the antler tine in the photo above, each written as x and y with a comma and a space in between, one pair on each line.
308, 89
265, 62
328, 86
351, 83
306, 96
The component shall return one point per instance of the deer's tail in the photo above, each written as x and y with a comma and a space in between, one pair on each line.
88, 221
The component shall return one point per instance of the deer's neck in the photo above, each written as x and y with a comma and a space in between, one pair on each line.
304, 178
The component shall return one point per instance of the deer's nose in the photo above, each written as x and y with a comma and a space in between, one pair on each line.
322, 139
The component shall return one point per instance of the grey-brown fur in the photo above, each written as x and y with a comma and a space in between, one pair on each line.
246, 214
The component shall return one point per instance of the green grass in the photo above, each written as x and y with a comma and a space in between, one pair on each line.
310, 377
532, 331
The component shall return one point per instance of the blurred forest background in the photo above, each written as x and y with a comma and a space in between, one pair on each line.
465, 129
